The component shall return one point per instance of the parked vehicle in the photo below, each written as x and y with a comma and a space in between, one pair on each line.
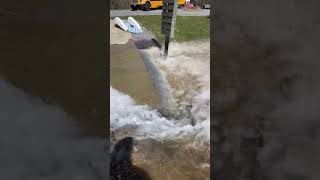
147, 5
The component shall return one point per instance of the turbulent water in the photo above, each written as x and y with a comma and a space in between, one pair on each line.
183, 84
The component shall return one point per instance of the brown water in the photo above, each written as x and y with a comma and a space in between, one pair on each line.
170, 159
175, 159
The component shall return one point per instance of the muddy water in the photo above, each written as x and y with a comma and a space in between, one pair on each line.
164, 156
128, 74
170, 159
135, 74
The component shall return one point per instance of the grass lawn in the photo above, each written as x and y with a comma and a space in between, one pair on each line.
188, 28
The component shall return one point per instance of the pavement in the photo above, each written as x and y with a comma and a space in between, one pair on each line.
118, 36
127, 70
181, 12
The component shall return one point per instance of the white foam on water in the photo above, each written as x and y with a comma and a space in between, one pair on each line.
148, 122
185, 59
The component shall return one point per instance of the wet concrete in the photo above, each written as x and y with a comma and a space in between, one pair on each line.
118, 36
127, 70
128, 75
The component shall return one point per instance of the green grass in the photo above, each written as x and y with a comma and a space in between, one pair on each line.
188, 28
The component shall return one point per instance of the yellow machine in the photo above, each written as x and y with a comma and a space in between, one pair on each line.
146, 5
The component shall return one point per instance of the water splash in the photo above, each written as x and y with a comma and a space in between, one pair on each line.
182, 80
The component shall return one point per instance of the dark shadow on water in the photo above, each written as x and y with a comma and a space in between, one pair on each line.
121, 166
